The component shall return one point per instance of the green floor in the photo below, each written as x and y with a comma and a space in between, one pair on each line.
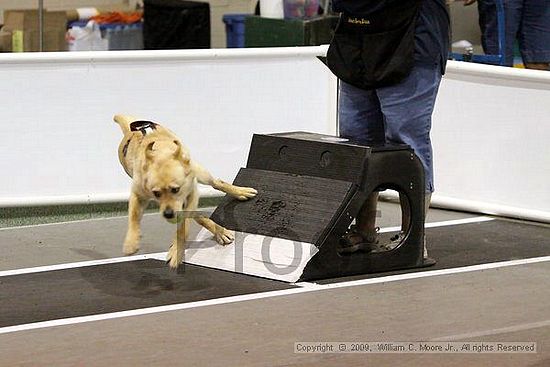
13, 217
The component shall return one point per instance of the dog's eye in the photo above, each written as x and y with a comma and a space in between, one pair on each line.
157, 193
175, 190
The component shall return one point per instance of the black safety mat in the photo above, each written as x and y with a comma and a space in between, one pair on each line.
124, 286
477, 243
107, 288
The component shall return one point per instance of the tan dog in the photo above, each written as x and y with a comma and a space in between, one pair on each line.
162, 170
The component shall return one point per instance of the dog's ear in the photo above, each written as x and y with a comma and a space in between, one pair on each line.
179, 154
149, 151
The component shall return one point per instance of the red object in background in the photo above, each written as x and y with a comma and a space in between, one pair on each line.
300, 9
118, 17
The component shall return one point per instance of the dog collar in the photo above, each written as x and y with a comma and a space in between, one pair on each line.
145, 127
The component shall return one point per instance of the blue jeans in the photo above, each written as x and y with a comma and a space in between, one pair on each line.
528, 21
401, 113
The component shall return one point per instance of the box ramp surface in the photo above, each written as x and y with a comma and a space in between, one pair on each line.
310, 189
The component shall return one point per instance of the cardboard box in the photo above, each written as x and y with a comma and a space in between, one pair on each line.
24, 29
5, 41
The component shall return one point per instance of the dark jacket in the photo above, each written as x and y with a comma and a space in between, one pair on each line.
432, 28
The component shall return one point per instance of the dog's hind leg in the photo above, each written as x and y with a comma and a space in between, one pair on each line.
205, 178
136, 206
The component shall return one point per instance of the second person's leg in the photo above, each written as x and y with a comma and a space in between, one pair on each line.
361, 120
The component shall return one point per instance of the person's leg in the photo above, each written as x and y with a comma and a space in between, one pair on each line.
534, 34
359, 115
361, 120
408, 108
427, 201
366, 220
488, 23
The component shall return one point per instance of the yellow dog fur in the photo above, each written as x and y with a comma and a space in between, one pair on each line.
162, 170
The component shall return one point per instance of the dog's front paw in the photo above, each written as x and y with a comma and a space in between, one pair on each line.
174, 257
225, 236
245, 193
131, 244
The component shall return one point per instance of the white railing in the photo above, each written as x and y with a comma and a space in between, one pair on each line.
491, 134
163, 55
490, 128
59, 143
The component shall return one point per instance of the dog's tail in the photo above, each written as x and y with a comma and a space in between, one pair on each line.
124, 122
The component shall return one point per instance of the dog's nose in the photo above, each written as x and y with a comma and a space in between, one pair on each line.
168, 214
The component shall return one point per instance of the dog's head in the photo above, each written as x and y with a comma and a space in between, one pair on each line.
167, 176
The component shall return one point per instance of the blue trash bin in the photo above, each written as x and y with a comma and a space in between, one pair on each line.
234, 29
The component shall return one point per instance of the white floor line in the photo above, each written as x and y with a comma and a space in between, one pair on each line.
389, 229
81, 264
255, 296
161, 255
308, 285
453, 222
150, 310
508, 329
69, 222
431, 273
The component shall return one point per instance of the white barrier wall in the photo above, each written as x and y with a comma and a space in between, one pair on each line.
491, 138
491, 126
59, 143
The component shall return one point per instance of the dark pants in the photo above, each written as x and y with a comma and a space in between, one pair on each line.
401, 113
527, 21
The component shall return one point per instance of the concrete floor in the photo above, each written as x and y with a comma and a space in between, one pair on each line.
500, 304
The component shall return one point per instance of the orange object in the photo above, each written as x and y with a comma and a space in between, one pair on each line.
118, 17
